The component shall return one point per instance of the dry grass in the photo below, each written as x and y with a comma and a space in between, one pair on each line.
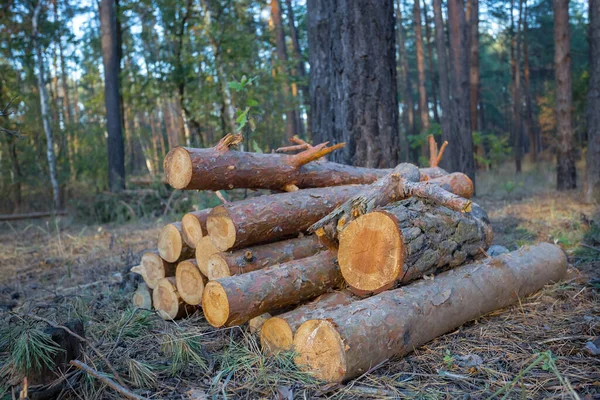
533, 350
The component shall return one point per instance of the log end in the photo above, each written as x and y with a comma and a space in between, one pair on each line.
191, 230
170, 243
166, 299
215, 304
371, 252
217, 267
204, 250
178, 168
152, 268
276, 336
142, 297
320, 350
221, 229
190, 282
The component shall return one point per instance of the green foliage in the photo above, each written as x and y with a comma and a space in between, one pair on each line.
496, 149
29, 347
448, 359
184, 351
141, 374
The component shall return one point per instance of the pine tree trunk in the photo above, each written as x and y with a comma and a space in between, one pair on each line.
432, 74
423, 105
473, 19
592, 186
515, 62
529, 127
405, 88
566, 174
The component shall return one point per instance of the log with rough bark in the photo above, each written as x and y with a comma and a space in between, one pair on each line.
277, 333
171, 246
193, 227
153, 268
168, 302
204, 250
239, 298
253, 258
190, 281
269, 218
142, 297
406, 240
346, 342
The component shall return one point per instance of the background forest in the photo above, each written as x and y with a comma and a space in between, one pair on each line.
189, 71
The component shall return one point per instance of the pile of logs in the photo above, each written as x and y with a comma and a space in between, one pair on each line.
324, 265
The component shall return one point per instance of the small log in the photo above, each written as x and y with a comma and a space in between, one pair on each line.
171, 246
239, 298
190, 282
346, 342
256, 323
142, 297
168, 302
253, 258
204, 250
269, 218
33, 215
277, 333
193, 227
456, 182
406, 240
153, 268
426, 174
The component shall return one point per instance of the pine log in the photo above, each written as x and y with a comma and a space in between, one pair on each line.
142, 297
346, 342
277, 333
256, 323
171, 246
406, 240
253, 258
239, 298
275, 217
193, 227
190, 282
204, 250
168, 302
431, 173
153, 268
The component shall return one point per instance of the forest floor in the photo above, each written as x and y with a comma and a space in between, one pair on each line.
62, 270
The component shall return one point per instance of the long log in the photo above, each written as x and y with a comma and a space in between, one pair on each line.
193, 227
190, 282
171, 246
346, 342
168, 302
204, 250
142, 297
275, 217
153, 268
277, 333
33, 215
236, 299
406, 240
250, 259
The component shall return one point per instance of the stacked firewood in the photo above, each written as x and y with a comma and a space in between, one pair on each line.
324, 265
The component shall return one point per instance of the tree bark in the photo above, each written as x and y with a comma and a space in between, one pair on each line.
51, 157
193, 227
142, 297
353, 52
221, 265
592, 182
404, 241
190, 282
529, 127
473, 20
171, 246
153, 268
112, 98
432, 75
566, 174
237, 299
168, 302
423, 105
346, 342
515, 63
405, 86
277, 333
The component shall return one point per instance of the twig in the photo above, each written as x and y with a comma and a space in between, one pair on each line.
590, 247
314, 153
106, 380
297, 147
227, 141
221, 197
441, 153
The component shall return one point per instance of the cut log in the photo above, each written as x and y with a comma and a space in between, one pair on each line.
239, 298
171, 246
275, 217
153, 268
253, 258
277, 333
406, 240
193, 227
168, 302
431, 173
204, 250
256, 323
346, 342
142, 297
190, 282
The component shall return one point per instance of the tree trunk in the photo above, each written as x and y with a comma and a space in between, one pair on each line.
56, 194
529, 127
515, 63
193, 226
277, 333
112, 98
405, 87
190, 282
473, 20
592, 182
142, 297
354, 52
16, 176
168, 302
237, 299
153, 268
221, 265
566, 174
171, 246
269, 218
432, 75
423, 105
346, 342
406, 240
440, 39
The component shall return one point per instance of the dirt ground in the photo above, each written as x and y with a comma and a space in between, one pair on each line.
62, 270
